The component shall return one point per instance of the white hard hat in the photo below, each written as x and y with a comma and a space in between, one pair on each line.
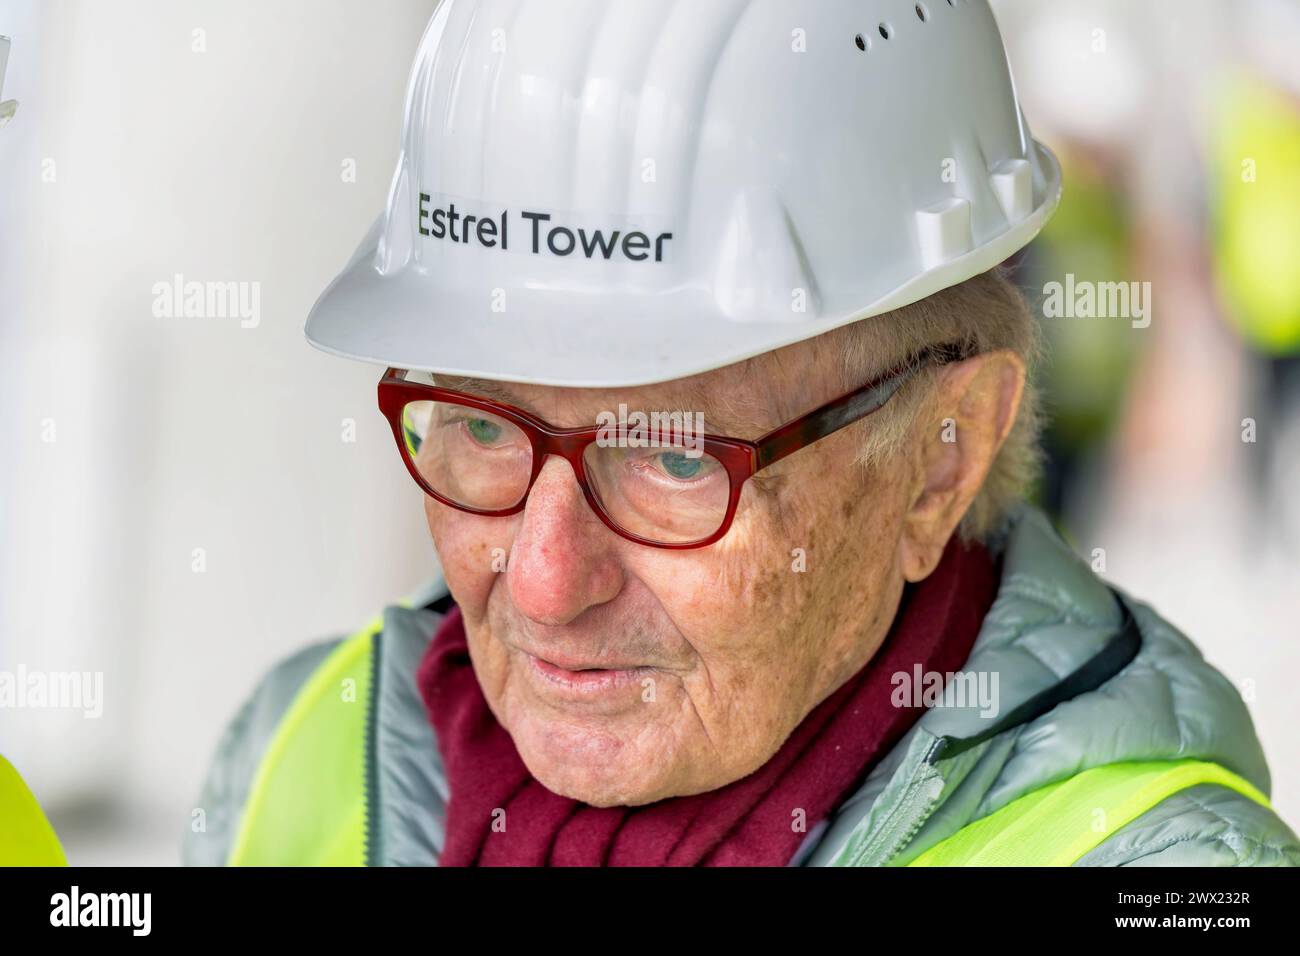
602, 193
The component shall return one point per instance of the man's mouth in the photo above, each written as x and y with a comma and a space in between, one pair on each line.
580, 679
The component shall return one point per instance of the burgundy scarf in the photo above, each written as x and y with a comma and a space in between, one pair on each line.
745, 823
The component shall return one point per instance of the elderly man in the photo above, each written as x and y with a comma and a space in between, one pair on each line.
701, 353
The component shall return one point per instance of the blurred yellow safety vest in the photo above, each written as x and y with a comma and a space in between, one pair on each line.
1256, 206
26, 837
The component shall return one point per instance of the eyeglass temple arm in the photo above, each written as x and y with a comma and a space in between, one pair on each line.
844, 411
827, 420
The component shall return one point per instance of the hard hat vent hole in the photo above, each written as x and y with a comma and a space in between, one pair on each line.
886, 30
922, 14
861, 41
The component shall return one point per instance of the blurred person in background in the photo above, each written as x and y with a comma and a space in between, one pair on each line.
1175, 128
1254, 159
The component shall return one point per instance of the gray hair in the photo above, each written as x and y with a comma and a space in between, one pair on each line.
985, 314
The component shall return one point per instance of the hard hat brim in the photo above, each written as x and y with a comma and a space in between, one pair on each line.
566, 338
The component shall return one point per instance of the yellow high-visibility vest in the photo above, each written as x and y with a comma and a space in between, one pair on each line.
26, 837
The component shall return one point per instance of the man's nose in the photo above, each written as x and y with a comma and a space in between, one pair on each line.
563, 559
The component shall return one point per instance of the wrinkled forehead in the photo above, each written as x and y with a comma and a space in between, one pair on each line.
745, 400
728, 404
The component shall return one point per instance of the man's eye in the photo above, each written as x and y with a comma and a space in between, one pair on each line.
483, 431
677, 465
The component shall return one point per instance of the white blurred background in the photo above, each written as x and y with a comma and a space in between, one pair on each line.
213, 140
176, 434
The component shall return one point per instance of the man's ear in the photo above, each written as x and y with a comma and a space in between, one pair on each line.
957, 436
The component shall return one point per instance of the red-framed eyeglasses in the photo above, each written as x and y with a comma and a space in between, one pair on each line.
654, 480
